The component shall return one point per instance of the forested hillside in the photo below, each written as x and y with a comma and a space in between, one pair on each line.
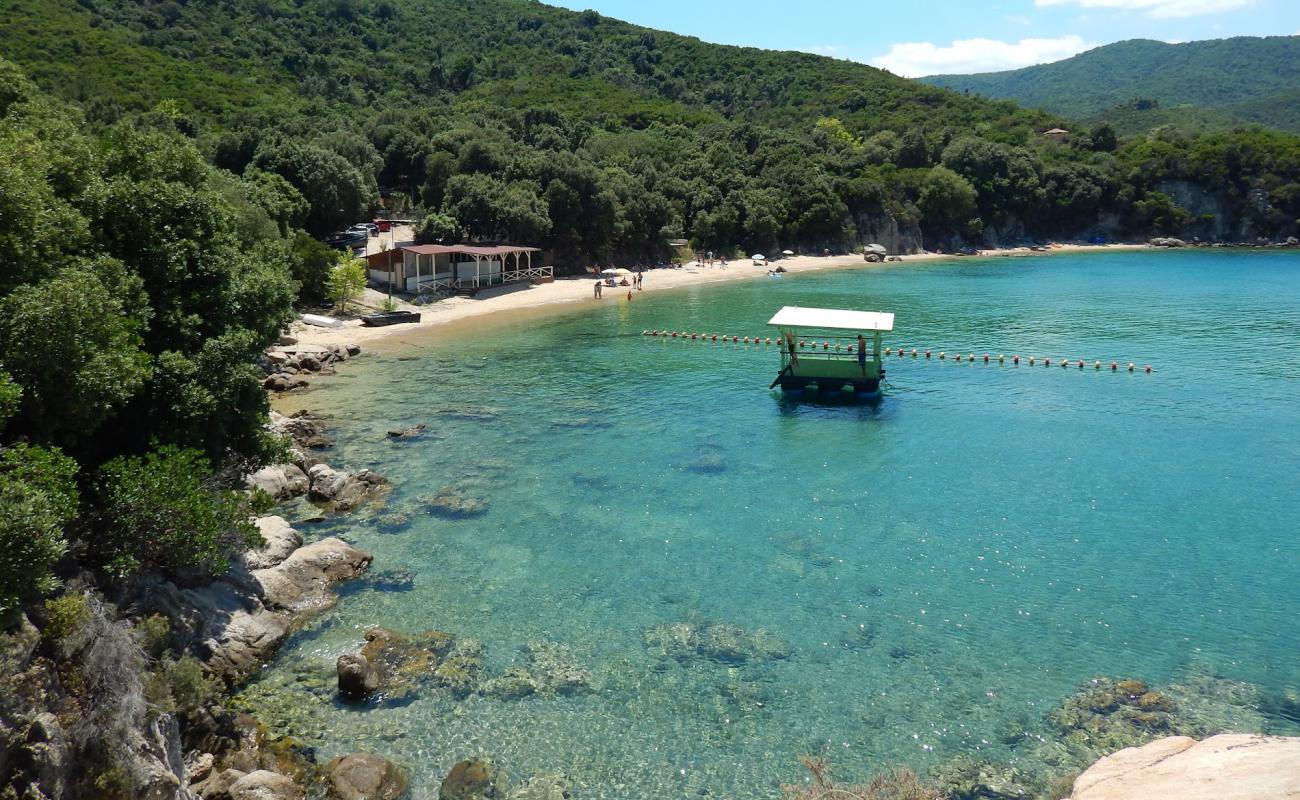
596, 139
1140, 83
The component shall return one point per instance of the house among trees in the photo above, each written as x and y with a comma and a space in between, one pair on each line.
449, 269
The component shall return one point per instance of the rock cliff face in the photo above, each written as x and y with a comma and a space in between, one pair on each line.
885, 229
1226, 767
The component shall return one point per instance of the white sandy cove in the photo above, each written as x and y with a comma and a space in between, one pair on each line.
565, 292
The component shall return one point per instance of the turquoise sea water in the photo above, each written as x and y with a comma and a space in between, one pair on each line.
950, 561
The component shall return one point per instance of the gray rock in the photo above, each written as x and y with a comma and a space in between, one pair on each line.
353, 349
281, 481
364, 776
357, 677
280, 538
234, 624
303, 579
266, 785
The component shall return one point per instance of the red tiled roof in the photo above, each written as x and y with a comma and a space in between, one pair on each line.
494, 250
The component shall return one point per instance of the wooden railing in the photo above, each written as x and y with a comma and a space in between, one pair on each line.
451, 285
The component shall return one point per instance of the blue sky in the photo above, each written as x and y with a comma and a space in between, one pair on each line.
924, 37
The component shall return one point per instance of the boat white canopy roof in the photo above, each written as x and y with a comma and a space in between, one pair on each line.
833, 318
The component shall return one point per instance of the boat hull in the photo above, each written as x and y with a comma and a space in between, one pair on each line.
390, 318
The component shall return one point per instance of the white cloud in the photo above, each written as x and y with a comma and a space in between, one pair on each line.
913, 59
1160, 9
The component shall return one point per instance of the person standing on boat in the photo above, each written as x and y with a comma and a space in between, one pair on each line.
862, 354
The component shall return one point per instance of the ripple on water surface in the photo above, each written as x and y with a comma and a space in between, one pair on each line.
938, 568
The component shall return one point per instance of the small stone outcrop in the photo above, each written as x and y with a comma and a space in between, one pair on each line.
281, 481
358, 679
413, 432
1167, 241
344, 491
475, 779
1225, 767
363, 776
285, 365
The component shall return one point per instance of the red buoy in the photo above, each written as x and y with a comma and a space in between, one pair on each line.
986, 358
1147, 369
1015, 359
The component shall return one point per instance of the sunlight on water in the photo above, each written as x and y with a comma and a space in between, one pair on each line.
915, 577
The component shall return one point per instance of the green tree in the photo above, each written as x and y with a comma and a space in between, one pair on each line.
39, 497
70, 343
946, 201
159, 511
347, 280
437, 227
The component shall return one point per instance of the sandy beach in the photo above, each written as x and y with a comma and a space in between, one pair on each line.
509, 302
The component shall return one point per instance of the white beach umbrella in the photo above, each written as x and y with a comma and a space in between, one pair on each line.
612, 272
787, 252
759, 257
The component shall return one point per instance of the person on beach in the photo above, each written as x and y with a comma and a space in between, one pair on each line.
598, 284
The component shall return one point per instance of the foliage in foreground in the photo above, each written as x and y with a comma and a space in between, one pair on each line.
157, 511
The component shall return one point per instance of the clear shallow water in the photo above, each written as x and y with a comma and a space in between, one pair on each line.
1001, 533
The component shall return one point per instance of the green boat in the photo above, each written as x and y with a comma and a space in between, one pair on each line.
830, 350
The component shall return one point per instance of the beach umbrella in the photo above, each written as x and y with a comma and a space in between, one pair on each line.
612, 272
787, 252
759, 257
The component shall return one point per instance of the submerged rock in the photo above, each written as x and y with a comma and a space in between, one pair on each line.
556, 670
460, 670
475, 779
364, 776
965, 778
544, 786
724, 641
451, 502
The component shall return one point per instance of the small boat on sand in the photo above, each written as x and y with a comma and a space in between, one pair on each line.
382, 318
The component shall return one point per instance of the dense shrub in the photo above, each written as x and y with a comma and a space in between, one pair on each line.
39, 497
157, 511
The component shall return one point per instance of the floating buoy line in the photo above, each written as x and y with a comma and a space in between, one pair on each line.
900, 352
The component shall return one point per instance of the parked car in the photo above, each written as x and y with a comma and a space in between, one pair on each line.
347, 238
366, 229
384, 225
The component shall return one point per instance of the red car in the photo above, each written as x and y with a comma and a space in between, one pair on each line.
384, 225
